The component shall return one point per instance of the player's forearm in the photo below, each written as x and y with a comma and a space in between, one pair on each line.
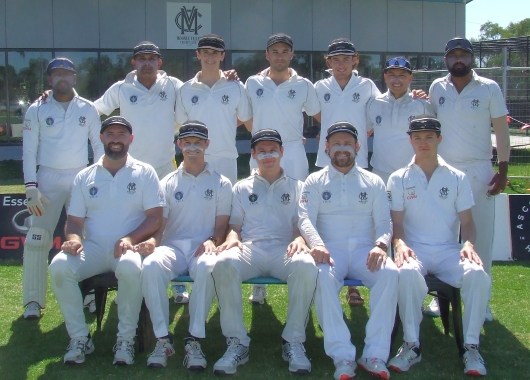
148, 227
502, 136
74, 229
468, 232
398, 236
309, 233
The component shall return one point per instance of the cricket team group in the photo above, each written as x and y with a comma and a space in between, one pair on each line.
425, 207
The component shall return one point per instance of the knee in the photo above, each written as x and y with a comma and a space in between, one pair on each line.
306, 267
223, 266
478, 277
59, 266
129, 265
151, 266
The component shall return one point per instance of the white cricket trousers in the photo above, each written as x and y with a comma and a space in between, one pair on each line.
163, 265
444, 262
66, 271
264, 258
294, 160
350, 263
224, 166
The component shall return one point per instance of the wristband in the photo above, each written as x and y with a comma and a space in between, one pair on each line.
213, 239
381, 245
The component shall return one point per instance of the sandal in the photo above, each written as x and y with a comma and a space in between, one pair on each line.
354, 297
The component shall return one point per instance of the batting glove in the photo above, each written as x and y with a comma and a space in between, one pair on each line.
35, 201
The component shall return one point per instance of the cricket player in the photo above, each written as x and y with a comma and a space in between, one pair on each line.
55, 138
210, 98
264, 241
467, 106
428, 199
116, 203
345, 219
196, 221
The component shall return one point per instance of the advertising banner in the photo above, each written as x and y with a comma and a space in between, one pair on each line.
520, 225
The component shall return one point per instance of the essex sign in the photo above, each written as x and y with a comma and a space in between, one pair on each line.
186, 23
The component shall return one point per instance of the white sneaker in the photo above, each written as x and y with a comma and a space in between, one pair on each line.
163, 349
123, 352
433, 310
473, 362
194, 359
236, 354
77, 349
180, 293
375, 367
489, 315
408, 355
294, 353
259, 293
345, 370
90, 303
32, 310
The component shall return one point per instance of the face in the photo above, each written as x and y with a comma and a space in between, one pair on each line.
342, 65
146, 65
342, 148
210, 57
425, 143
398, 81
192, 147
268, 154
62, 81
459, 62
279, 56
116, 140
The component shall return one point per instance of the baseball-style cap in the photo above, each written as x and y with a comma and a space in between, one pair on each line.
458, 43
193, 128
424, 124
279, 37
211, 41
60, 63
120, 120
146, 47
341, 46
266, 135
398, 63
342, 126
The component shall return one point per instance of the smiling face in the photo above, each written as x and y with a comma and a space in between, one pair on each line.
398, 81
268, 154
116, 140
210, 58
342, 148
193, 147
146, 66
279, 56
62, 81
342, 65
425, 143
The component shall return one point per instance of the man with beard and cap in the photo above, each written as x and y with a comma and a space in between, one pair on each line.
55, 138
467, 106
330, 197
116, 203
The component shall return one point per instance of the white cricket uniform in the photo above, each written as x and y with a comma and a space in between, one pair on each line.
466, 128
390, 118
218, 108
431, 210
280, 107
112, 206
349, 213
348, 105
57, 141
267, 214
193, 203
151, 113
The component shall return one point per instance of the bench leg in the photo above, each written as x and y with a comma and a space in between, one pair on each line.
457, 321
101, 301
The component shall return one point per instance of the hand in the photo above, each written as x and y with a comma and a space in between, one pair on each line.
122, 246
419, 94
498, 181
230, 243
370, 132
72, 247
43, 96
304, 140
403, 253
321, 255
208, 248
297, 246
318, 137
231, 75
35, 201
145, 248
468, 252
376, 258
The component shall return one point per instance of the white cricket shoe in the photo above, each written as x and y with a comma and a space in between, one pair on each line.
90, 303
194, 359
294, 353
32, 311
123, 352
433, 310
473, 362
163, 349
375, 367
236, 354
259, 293
345, 370
77, 349
408, 355
489, 315
180, 293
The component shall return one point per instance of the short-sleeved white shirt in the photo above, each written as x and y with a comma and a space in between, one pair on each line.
344, 206
193, 203
390, 118
113, 206
58, 139
466, 118
151, 113
280, 107
265, 211
430, 207
344, 105
218, 107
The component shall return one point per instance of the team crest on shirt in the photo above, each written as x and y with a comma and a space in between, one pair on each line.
253, 198
195, 99
326, 196
356, 97
27, 125
179, 195
259, 92
411, 193
82, 121
133, 99
131, 188
327, 96
163, 95
378, 120
49, 121
444, 192
441, 101
225, 99
93, 191
363, 197
475, 103
303, 198
286, 199
208, 194
291, 94
411, 117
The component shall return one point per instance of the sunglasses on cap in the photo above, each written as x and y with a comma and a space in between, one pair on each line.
60, 63
398, 63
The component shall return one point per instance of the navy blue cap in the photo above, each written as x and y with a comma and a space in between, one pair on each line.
279, 37
458, 43
424, 124
120, 120
60, 63
146, 47
398, 63
342, 126
266, 135
193, 128
341, 46
211, 41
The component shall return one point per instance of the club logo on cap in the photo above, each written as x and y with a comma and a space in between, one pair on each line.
291, 94
356, 98
259, 92
327, 96
179, 195
82, 121
195, 99
49, 121
133, 99
163, 95
225, 99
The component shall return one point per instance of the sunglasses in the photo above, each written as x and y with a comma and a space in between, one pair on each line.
400, 63
60, 64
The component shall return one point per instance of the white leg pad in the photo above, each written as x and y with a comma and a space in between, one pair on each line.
35, 267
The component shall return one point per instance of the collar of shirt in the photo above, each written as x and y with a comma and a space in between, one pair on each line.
195, 82
334, 172
260, 178
292, 72
131, 77
405, 98
441, 162
474, 78
51, 99
182, 172
130, 161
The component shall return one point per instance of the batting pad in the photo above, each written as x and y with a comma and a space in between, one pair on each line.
35, 266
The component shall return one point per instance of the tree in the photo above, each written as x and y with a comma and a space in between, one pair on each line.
493, 31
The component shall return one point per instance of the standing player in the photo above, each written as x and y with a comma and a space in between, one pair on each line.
330, 198
264, 241
428, 199
56, 133
196, 219
216, 102
467, 105
116, 203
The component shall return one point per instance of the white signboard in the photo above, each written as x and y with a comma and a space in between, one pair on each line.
186, 23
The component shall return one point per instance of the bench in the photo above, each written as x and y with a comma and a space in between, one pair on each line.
264, 281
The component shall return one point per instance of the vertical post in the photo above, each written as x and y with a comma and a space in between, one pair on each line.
504, 72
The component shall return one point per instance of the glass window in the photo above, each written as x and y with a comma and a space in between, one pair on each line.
3, 97
87, 70
174, 64
301, 63
431, 62
114, 66
249, 63
370, 66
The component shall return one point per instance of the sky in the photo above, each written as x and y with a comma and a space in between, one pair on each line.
501, 12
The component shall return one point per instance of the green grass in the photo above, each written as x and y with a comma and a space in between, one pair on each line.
34, 349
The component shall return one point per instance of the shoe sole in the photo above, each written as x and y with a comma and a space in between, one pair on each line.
257, 302
397, 369
182, 300
31, 317
379, 375
122, 362
156, 365
474, 373
346, 377
74, 362
196, 368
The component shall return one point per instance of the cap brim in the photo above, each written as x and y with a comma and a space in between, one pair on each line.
341, 53
193, 134
147, 52
397, 67
211, 47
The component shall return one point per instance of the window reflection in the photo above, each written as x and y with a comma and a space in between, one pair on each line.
174, 64
114, 66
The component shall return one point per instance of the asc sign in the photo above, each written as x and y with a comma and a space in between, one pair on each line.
186, 23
